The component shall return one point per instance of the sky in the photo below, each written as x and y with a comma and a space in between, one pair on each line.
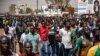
4, 4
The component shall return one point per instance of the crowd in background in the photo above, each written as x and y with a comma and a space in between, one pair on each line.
51, 36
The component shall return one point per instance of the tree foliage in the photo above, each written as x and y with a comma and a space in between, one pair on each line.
39, 10
63, 3
21, 11
28, 10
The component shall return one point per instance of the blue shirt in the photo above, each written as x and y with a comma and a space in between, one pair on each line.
52, 50
92, 27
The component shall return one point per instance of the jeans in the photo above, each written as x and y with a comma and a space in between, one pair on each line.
68, 52
40, 46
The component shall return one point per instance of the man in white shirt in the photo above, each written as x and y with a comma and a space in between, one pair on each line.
11, 34
23, 39
23, 36
66, 39
11, 31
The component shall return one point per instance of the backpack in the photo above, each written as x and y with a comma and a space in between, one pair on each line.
97, 53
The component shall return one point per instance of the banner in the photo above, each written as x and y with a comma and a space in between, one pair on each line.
47, 11
90, 1
90, 6
82, 5
82, 2
85, 6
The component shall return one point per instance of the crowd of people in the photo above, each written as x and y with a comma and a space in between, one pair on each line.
50, 36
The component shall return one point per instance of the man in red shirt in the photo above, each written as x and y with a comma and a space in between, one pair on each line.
43, 31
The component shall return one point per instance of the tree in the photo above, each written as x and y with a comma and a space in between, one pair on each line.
63, 3
21, 11
71, 10
28, 10
39, 10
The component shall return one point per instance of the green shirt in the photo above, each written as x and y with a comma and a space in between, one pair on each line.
34, 39
73, 33
78, 43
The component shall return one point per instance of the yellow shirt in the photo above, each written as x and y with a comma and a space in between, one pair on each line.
92, 51
84, 51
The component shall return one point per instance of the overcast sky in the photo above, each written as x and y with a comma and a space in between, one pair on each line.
4, 4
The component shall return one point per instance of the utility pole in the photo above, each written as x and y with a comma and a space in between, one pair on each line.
37, 7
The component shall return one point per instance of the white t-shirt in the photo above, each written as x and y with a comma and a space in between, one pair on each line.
11, 31
66, 38
23, 38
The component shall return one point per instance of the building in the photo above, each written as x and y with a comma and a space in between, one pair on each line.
12, 9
